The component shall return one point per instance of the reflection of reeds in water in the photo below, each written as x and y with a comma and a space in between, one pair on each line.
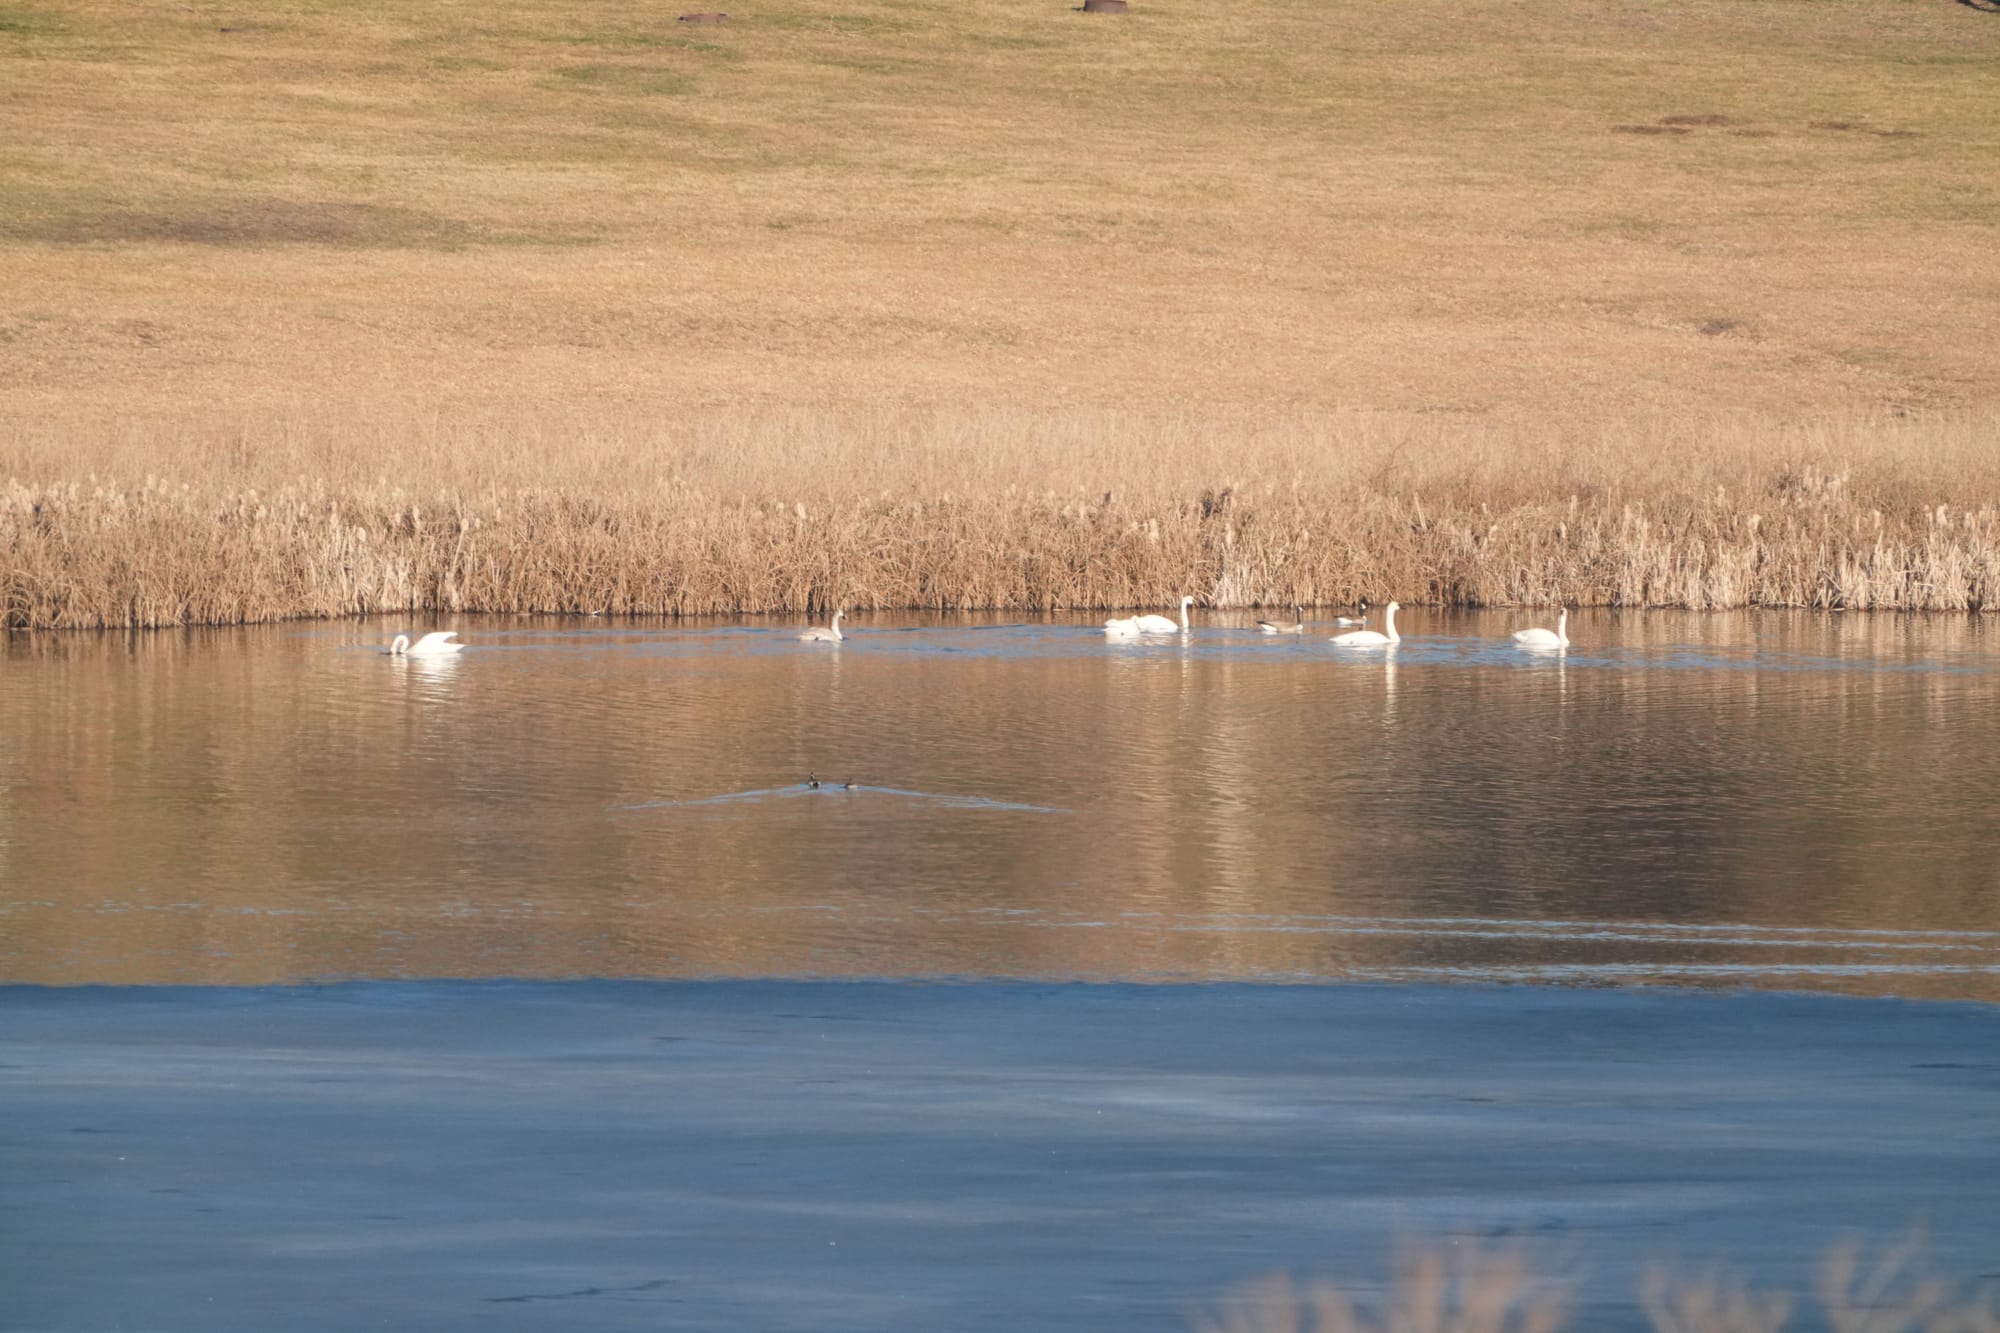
1495, 1289
1012, 512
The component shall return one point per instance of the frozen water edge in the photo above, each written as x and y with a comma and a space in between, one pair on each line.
980, 1156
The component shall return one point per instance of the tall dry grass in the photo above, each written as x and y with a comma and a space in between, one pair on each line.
1474, 1288
1005, 510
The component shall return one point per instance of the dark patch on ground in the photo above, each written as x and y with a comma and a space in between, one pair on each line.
1708, 118
1855, 126
23, 23
1715, 328
1651, 129
247, 223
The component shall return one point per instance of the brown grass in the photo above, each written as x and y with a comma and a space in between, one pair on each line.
1274, 205
1473, 1288
1470, 301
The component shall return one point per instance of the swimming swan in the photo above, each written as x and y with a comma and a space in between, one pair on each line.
1545, 638
1368, 638
1150, 624
1360, 616
824, 634
436, 644
1286, 627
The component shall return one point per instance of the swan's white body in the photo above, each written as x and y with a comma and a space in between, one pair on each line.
1149, 624
1546, 638
1368, 638
1360, 616
435, 644
1281, 627
825, 633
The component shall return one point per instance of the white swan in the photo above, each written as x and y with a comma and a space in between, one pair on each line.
1151, 624
1546, 638
436, 644
824, 633
1286, 627
1368, 638
1360, 616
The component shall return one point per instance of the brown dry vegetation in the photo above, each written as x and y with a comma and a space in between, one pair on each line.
1472, 1287
563, 305
1024, 511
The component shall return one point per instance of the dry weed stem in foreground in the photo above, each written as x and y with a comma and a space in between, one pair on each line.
1467, 1288
1464, 1288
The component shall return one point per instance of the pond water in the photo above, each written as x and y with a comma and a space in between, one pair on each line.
1764, 800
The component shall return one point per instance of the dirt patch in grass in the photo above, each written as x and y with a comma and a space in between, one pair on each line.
247, 223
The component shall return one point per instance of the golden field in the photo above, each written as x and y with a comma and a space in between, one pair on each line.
312, 309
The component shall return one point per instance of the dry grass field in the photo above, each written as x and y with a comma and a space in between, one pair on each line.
1474, 301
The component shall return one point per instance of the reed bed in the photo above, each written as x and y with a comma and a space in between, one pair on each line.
1495, 1288
1004, 510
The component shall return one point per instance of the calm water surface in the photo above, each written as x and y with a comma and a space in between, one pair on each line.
1743, 800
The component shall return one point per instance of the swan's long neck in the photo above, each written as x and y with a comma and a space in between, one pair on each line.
1389, 626
400, 644
836, 623
1562, 627
1185, 602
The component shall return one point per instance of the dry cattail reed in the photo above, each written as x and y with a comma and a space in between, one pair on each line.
1012, 511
